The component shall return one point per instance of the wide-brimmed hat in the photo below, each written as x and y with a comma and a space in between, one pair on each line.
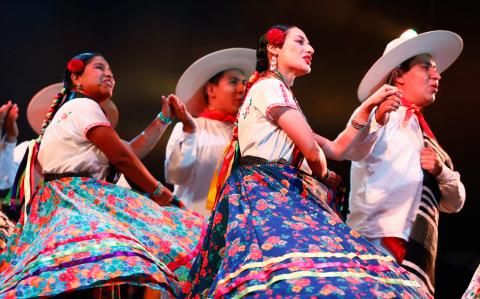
41, 101
192, 82
443, 46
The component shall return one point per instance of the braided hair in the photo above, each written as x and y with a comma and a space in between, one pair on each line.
23, 186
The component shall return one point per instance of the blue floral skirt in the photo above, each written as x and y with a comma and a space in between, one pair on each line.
273, 234
83, 233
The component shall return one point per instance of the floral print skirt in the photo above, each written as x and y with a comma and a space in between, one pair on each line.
82, 233
273, 234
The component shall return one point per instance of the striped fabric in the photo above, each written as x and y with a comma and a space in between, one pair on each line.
422, 244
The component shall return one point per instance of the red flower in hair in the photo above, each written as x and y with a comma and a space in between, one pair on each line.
275, 37
75, 65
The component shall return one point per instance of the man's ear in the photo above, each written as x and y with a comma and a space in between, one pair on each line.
210, 90
397, 76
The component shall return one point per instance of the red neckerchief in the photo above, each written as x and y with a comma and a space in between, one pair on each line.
218, 115
414, 109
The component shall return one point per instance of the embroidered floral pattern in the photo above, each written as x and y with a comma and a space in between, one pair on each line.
83, 233
274, 234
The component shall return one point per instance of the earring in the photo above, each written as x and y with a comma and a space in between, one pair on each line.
78, 86
273, 63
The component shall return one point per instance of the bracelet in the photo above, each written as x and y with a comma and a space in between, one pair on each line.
357, 125
164, 119
158, 190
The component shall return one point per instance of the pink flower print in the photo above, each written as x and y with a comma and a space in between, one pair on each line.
329, 289
262, 205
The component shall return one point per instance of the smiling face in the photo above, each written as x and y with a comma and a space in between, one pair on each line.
295, 56
227, 94
420, 83
96, 80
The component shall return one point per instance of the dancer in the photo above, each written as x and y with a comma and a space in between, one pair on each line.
398, 190
80, 232
212, 88
273, 232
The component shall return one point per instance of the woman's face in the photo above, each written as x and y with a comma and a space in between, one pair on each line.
296, 53
97, 79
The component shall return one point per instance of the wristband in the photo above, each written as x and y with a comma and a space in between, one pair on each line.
164, 119
357, 125
158, 190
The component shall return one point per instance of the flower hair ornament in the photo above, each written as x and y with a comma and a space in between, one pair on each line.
275, 37
75, 65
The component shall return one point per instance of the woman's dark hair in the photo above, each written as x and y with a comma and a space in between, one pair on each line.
262, 52
65, 93
85, 58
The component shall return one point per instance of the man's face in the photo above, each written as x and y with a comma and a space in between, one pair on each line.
227, 95
420, 83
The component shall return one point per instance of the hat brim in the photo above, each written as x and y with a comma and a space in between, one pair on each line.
190, 85
40, 103
443, 46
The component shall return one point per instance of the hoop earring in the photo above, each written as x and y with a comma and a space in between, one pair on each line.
78, 86
273, 63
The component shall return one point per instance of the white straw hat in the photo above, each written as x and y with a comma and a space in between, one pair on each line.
443, 46
192, 82
40, 103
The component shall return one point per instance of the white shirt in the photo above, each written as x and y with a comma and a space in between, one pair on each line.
65, 147
8, 167
192, 158
386, 185
258, 134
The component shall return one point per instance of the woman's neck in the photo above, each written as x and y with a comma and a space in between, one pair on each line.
287, 77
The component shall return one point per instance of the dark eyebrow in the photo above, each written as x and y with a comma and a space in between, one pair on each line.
101, 64
303, 38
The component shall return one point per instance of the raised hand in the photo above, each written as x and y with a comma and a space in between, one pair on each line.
179, 110
8, 121
392, 93
166, 111
390, 104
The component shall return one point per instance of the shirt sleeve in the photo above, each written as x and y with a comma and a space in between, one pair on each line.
452, 189
273, 93
86, 114
364, 142
181, 154
8, 167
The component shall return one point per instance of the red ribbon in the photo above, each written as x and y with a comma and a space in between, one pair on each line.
218, 115
414, 109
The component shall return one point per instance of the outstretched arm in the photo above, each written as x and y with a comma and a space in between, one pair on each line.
125, 160
146, 141
181, 153
386, 99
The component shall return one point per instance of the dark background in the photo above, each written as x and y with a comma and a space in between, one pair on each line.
150, 44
